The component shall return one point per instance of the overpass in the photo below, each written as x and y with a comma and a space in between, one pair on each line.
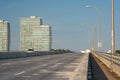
57, 66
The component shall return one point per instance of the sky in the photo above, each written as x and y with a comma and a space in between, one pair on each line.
73, 25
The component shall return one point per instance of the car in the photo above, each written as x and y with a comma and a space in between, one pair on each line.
30, 50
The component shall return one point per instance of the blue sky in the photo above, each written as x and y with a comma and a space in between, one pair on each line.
71, 22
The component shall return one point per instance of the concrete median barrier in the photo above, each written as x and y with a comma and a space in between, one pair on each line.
10, 55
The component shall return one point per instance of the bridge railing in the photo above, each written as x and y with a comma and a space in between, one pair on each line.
116, 58
111, 61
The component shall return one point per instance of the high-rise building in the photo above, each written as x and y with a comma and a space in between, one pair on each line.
4, 36
34, 35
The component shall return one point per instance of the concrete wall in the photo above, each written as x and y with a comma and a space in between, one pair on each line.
10, 55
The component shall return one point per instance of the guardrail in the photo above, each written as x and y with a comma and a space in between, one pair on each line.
111, 61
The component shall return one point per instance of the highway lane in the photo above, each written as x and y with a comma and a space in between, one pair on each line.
49, 67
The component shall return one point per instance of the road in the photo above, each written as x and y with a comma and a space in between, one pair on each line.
48, 67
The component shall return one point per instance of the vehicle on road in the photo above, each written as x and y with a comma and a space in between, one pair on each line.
30, 50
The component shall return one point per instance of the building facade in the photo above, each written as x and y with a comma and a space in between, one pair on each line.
4, 36
34, 35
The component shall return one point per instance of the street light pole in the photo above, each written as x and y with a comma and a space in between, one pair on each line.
93, 38
113, 36
113, 31
99, 26
99, 29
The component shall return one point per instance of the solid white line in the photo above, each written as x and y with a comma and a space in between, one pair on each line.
19, 73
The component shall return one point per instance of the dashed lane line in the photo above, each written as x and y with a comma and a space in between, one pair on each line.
19, 73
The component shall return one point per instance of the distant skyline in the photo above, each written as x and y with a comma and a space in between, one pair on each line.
68, 19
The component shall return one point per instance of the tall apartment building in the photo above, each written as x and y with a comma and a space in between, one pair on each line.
4, 36
34, 35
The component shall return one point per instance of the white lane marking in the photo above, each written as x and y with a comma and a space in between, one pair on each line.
5, 64
26, 76
56, 65
45, 71
19, 73
35, 74
65, 74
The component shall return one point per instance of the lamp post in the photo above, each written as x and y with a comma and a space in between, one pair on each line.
113, 32
113, 36
93, 36
99, 26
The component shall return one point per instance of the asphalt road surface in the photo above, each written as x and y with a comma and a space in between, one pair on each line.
48, 67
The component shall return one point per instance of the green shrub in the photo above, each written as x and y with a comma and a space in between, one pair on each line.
117, 51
